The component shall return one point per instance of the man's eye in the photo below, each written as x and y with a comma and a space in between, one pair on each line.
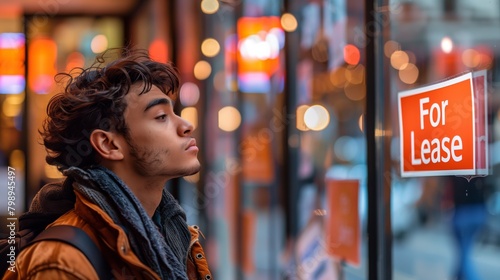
162, 117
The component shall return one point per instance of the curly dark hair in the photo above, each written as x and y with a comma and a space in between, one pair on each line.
95, 100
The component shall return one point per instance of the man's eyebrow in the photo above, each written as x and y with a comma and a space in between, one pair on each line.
158, 101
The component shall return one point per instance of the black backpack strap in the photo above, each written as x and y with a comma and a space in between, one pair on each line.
79, 239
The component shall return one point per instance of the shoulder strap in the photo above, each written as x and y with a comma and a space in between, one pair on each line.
79, 239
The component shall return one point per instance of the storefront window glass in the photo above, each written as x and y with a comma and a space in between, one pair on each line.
331, 171
444, 226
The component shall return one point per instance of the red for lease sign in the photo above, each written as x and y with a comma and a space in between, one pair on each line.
443, 127
342, 229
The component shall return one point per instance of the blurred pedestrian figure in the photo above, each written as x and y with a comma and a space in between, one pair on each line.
468, 219
113, 133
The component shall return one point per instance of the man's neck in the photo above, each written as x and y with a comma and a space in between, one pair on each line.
150, 199
147, 190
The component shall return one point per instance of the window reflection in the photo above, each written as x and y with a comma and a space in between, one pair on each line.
441, 225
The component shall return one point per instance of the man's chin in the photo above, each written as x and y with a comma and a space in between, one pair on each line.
193, 170
184, 171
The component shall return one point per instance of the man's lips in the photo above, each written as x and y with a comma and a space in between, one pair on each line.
192, 145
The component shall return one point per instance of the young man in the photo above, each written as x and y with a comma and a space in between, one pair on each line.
114, 135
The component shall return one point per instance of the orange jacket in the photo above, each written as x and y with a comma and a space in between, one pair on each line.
57, 260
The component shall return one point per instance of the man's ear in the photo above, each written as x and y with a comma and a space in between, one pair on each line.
106, 144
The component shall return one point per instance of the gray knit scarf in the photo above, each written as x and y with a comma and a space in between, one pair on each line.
162, 247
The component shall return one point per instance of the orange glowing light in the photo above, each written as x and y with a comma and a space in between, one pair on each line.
351, 54
158, 50
42, 53
260, 41
12, 61
485, 56
11, 54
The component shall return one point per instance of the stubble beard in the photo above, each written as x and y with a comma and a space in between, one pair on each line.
151, 162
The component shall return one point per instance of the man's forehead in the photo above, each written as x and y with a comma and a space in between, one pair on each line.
136, 99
